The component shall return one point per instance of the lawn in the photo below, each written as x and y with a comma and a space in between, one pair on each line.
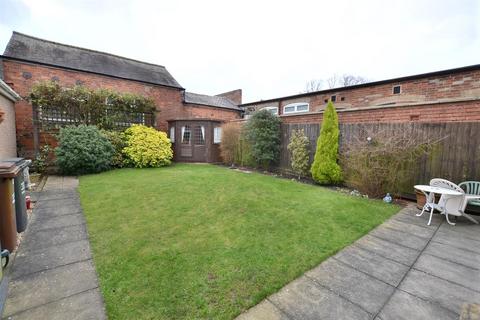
206, 242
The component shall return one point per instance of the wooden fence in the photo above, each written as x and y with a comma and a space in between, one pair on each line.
456, 157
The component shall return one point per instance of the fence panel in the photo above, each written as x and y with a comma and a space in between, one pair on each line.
456, 157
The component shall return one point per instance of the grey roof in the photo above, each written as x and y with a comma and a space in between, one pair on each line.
214, 101
25, 47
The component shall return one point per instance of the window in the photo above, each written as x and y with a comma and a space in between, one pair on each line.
272, 110
186, 134
199, 135
333, 98
397, 89
217, 135
172, 134
342, 99
295, 107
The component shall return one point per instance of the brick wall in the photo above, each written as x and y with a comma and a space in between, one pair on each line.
449, 87
461, 111
169, 101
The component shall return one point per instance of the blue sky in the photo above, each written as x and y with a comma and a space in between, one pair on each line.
267, 48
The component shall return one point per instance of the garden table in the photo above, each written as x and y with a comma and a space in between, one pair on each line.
429, 192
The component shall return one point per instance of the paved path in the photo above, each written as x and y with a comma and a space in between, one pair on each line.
53, 276
403, 269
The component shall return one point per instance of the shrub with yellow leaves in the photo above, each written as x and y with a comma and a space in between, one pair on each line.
147, 147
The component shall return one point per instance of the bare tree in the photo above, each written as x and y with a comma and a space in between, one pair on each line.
313, 85
333, 81
350, 80
345, 80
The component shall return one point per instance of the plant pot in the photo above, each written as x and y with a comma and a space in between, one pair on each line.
421, 199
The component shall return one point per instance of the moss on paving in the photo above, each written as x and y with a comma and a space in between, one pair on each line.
205, 242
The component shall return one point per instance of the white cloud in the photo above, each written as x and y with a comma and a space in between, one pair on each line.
268, 48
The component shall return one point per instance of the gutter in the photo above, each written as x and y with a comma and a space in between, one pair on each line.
8, 92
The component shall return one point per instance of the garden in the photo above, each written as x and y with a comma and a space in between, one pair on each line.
189, 241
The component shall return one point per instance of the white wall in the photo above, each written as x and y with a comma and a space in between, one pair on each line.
8, 141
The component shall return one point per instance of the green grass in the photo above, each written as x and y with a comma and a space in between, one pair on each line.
206, 242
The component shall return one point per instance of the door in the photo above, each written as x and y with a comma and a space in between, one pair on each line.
193, 141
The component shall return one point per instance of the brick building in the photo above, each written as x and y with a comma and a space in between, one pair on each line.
442, 96
27, 60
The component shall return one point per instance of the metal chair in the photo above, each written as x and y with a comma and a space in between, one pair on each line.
453, 205
471, 188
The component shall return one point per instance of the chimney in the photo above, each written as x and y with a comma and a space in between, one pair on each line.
235, 96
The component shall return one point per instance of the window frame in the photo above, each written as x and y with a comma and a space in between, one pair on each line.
217, 135
172, 134
399, 89
296, 105
270, 108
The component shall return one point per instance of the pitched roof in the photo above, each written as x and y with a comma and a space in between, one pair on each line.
214, 101
32, 49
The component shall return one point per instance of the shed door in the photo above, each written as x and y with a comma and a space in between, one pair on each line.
193, 141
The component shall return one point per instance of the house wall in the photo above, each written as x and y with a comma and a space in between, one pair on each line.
415, 93
8, 145
169, 101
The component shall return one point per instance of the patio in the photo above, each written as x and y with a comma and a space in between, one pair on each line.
403, 269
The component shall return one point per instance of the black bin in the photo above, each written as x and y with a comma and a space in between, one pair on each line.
20, 192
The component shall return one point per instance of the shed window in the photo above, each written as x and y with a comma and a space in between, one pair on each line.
217, 135
397, 89
186, 134
333, 98
295, 107
272, 110
199, 135
172, 134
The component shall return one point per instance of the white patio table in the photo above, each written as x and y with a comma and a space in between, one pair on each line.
429, 192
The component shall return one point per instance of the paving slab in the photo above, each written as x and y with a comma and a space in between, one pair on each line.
66, 220
49, 258
361, 289
374, 265
404, 306
390, 250
55, 203
451, 271
53, 274
41, 239
400, 237
467, 230
303, 299
419, 221
264, 310
454, 239
54, 212
48, 286
458, 255
82, 306
409, 228
57, 195
447, 294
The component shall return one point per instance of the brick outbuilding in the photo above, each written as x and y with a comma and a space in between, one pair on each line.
28, 60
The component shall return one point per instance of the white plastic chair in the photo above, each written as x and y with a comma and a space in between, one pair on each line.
450, 204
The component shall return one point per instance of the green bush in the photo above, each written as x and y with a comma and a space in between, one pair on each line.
325, 169
117, 139
299, 156
83, 149
263, 133
147, 147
